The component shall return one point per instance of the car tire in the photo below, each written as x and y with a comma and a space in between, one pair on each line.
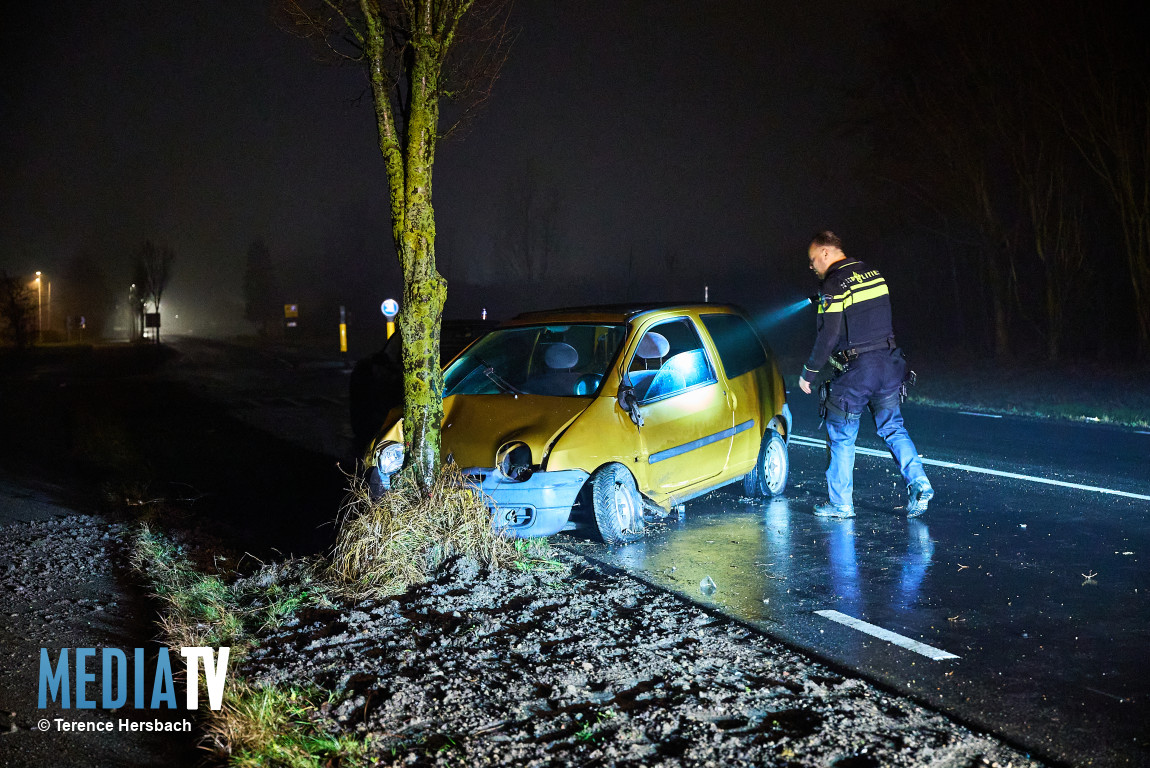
617, 504
769, 477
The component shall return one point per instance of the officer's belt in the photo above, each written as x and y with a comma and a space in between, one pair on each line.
870, 346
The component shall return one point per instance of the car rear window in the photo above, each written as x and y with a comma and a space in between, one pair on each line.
739, 346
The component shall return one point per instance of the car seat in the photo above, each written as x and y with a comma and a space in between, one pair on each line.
653, 346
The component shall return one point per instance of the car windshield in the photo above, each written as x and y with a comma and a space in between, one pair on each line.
557, 360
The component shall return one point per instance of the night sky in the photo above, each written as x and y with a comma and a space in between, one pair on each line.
683, 144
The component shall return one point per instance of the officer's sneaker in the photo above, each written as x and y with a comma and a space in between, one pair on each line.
834, 510
919, 493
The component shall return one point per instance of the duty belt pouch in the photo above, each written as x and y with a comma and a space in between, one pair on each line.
824, 397
909, 379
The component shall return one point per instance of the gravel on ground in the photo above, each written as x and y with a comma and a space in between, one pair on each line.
64, 583
496, 667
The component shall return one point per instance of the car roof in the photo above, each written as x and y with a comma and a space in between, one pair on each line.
614, 313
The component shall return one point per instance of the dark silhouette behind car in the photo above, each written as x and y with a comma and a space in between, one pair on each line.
376, 384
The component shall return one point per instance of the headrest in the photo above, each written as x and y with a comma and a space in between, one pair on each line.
653, 345
561, 356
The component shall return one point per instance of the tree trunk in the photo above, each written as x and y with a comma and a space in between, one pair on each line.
996, 282
1136, 226
409, 173
1053, 322
423, 380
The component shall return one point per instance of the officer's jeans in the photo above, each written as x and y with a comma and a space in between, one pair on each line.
842, 431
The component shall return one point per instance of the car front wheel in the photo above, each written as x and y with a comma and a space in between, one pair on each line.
618, 505
769, 477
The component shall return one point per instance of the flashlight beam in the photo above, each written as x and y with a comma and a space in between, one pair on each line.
782, 314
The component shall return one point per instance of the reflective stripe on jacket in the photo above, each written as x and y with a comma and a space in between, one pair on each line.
854, 310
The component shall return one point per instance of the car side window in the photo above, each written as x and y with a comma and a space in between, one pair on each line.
669, 359
739, 347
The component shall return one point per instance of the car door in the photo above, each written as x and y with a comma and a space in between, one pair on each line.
687, 420
744, 363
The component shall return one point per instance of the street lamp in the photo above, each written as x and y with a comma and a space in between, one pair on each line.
39, 311
132, 312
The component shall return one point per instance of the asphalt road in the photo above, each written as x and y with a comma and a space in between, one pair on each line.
1029, 568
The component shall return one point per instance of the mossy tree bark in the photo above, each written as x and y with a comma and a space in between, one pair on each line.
417, 52
408, 148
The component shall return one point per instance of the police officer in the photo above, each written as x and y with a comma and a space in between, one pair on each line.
855, 336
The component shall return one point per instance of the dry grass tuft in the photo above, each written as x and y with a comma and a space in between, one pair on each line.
385, 545
270, 726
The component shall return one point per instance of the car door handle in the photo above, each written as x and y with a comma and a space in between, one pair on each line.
732, 401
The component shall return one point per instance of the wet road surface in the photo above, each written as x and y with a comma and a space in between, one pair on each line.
1040, 590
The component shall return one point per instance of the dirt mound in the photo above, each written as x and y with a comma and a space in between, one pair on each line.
513, 668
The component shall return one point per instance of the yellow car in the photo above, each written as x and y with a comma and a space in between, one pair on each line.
630, 409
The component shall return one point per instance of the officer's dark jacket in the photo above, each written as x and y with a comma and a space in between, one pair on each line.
854, 311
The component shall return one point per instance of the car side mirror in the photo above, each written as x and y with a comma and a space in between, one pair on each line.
629, 402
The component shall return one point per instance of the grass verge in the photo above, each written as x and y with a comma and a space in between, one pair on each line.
215, 609
258, 725
384, 546
1074, 391
272, 726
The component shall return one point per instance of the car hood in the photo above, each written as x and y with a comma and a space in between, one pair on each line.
475, 426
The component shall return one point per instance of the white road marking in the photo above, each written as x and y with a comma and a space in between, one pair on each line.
813, 443
885, 634
1141, 432
983, 415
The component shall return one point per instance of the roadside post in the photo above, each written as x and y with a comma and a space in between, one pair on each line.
390, 308
343, 334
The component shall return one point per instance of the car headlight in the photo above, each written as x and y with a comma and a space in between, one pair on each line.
513, 461
389, 458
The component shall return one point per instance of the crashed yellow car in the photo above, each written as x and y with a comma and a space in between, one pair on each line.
628, 410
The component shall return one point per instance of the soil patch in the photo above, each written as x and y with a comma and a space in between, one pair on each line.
483, 667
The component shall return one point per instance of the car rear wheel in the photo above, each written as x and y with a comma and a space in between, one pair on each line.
769, 477
618, 505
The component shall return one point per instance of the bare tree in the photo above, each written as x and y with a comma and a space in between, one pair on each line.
1106, 112
417, 54
153, 269
88, 295
997, 108
530, 232
17, 310
1055, 214
263, 300
945, 81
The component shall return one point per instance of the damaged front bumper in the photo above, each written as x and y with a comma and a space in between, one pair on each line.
538, 506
